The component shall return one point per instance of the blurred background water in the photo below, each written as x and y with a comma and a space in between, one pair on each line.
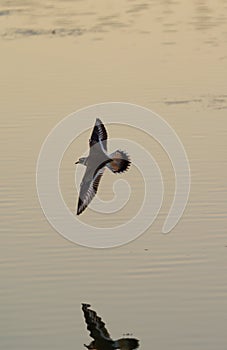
169, 56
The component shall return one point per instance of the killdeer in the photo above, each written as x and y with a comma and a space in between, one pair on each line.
96, 162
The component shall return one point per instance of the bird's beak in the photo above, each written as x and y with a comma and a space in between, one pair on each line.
77, 162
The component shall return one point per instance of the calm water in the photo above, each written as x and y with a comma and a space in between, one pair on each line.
56, 57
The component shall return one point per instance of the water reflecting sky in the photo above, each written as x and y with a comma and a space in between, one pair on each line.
170, 56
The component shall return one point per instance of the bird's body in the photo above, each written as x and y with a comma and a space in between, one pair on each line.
96, 162
102, 339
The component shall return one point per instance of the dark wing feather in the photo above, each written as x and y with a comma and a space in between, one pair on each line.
88, 189
99, 133
95, 325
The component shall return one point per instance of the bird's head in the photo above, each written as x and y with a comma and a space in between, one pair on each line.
82, 160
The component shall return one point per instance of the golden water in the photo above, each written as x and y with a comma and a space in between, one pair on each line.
170, 291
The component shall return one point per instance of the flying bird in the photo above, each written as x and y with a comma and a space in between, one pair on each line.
102, 339
96, 162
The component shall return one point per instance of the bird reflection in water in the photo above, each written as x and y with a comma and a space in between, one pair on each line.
102, 339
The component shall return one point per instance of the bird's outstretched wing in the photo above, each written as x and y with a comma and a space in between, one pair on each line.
95, 325
99, 133
120, 162
88, 189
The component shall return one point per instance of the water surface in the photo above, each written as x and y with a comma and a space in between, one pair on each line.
170, 291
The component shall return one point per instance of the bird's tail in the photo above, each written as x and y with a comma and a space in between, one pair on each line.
120, 161
127, 343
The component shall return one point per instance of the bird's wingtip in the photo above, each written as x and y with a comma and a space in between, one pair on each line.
80, 207
85, 305
98, 121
